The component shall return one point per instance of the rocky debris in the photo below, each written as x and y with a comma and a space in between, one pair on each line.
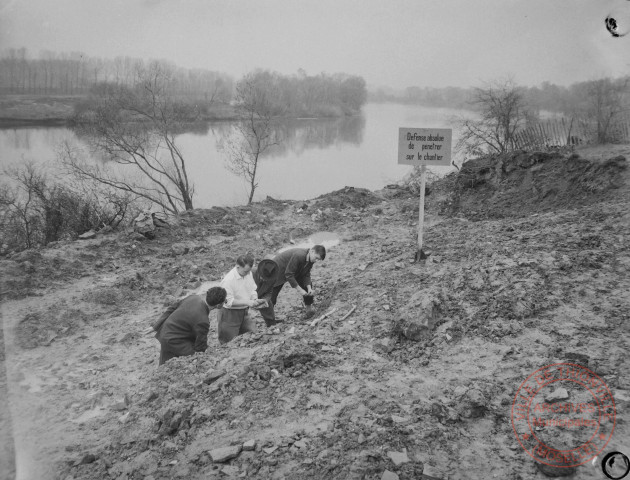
347, 197
384, 345
121, 404
519, 183
578, 358
553, 471
179, 249
332, 402
143, 224
398, 457
86, 459
223, 454
146, 223
90, 234
557, 394
422, 315
213, 376
387, 475
171, 419
249, 445
473, 404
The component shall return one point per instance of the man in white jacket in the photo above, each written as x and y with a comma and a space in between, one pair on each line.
234, 319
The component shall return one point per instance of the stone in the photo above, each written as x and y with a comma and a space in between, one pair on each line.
87, 458
143, 224
552, 471
579, 358
230, 470
249, 445
361, 439
213, 376
270, 450
264, 372
149, 397
300, 444
400, 420
387, 475
178, 249
120, 405
424, 312
557, 394
87, 235
220, 455
398, 457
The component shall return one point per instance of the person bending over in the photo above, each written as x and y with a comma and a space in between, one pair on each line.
294, 266
233, 318
183, 328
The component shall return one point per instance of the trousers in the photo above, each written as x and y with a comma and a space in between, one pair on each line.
234, 322
269, 314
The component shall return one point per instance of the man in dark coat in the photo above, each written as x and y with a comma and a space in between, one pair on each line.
294, 266
183, 328
265, 274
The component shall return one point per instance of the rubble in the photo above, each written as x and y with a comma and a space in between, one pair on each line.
515, 280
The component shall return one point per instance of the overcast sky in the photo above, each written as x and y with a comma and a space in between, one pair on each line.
397, 43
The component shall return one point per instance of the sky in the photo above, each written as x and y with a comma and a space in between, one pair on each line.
395, 43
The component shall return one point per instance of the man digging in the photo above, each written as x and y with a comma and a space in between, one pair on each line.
294, 266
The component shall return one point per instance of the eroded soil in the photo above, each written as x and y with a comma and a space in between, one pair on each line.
528, 266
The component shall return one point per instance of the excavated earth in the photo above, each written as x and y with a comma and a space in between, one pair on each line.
529, 262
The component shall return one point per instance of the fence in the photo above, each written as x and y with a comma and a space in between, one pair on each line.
559, 132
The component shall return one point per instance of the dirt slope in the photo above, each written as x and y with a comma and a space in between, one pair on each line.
529, 266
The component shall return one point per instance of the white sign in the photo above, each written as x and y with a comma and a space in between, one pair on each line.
428, 146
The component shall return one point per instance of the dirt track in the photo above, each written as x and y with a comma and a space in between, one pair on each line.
526, 269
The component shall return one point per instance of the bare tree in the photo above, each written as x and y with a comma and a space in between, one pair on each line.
502, 112
17, 202
134, 129
607, 99
254, 133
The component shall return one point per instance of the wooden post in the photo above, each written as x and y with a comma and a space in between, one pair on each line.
420, 255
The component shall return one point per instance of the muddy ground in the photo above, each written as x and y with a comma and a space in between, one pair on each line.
528, 266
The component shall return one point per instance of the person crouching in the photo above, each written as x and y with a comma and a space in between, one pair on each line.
183, 328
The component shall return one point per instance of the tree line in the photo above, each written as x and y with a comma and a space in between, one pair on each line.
129, 158
507, 118
566, 100
75, 73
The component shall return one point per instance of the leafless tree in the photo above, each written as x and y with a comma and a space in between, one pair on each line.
247, 141
502, 112
134, 129
607, 99
36, 208
17, 202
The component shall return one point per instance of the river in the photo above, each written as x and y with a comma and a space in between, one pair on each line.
316, 157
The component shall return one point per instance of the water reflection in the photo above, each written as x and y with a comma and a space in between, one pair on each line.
299, 135
317, 155
304, 134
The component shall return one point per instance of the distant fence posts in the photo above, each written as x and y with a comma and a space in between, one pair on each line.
560, 132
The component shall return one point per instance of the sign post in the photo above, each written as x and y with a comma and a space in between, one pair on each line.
424, 146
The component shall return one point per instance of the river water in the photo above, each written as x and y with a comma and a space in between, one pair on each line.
316, 157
